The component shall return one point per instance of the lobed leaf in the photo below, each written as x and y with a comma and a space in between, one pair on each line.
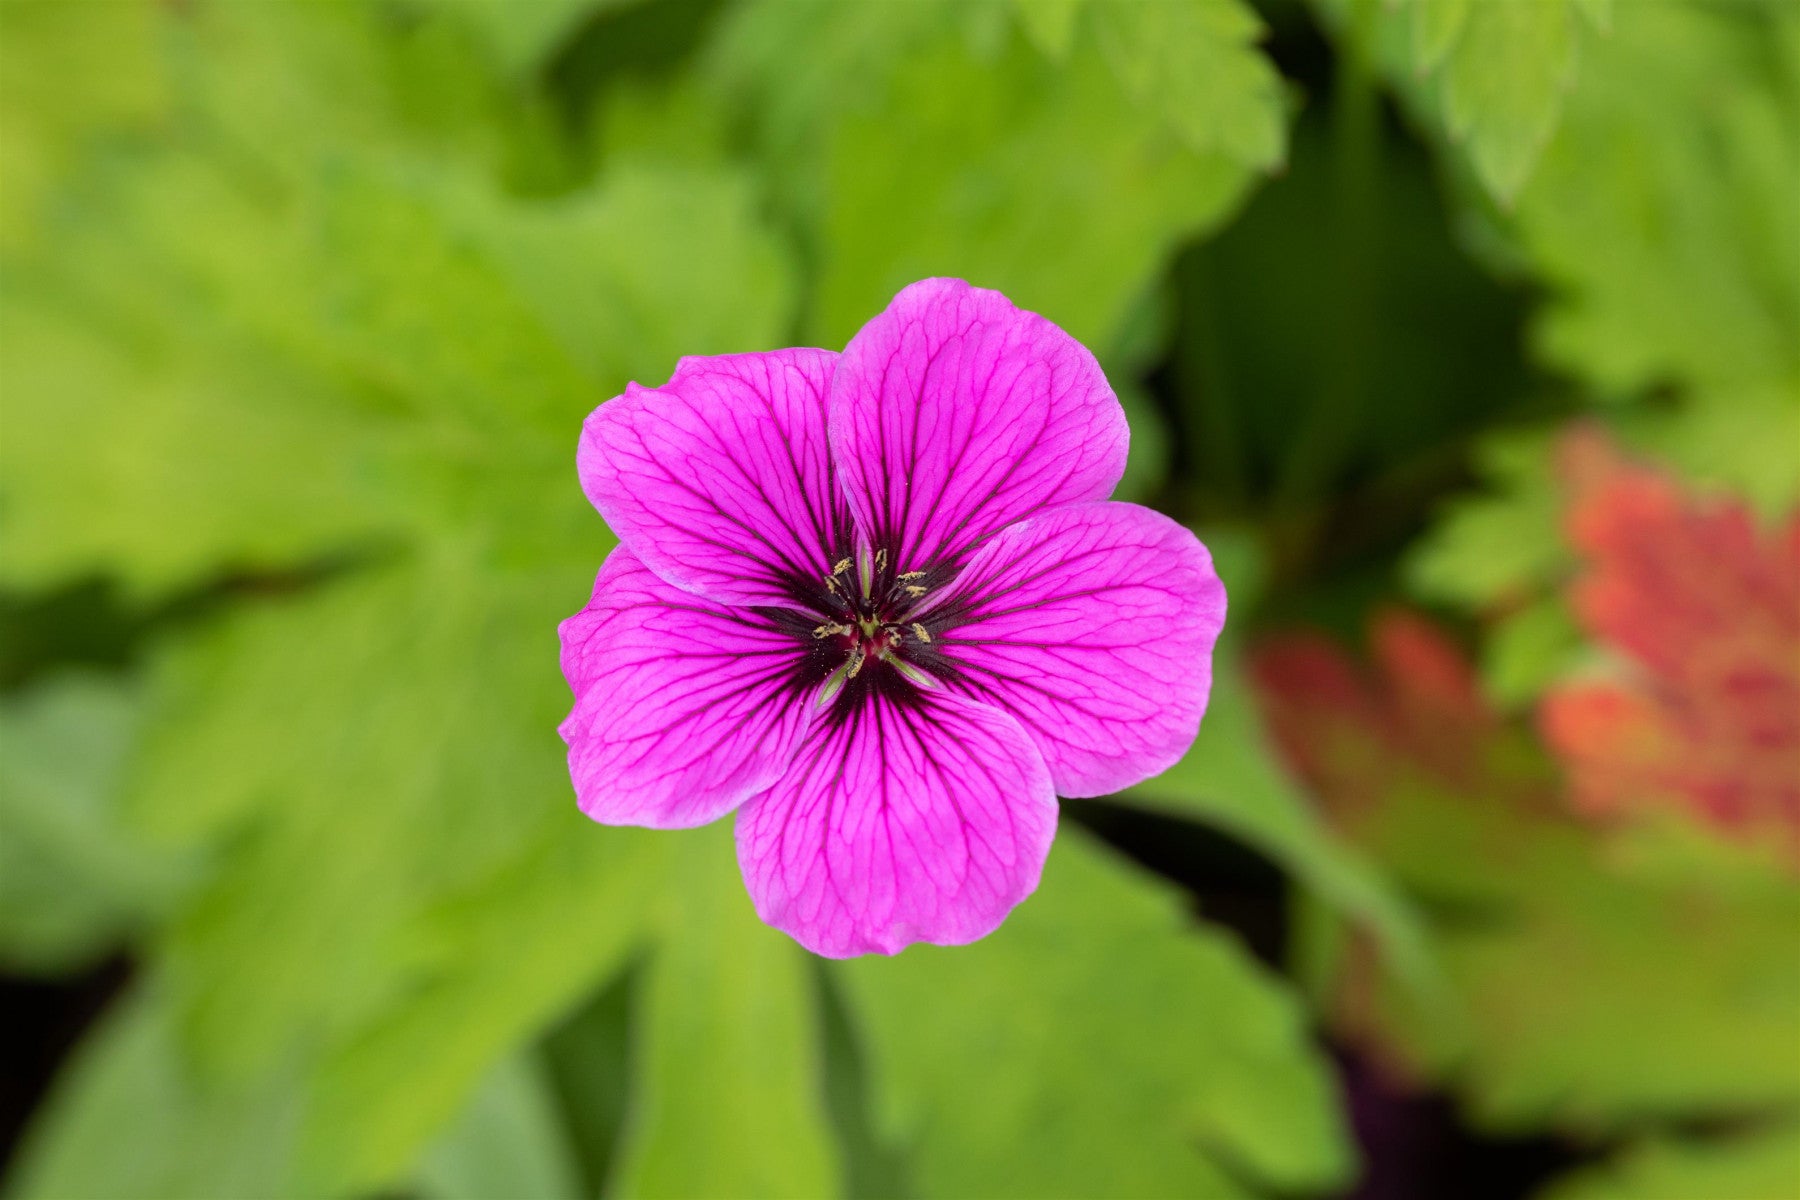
1094, 1079
73, 883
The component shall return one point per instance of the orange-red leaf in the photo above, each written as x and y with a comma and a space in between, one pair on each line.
1703, 611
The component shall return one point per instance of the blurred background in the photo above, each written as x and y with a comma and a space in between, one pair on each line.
1466, 332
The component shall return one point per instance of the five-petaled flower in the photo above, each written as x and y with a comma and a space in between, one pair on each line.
879, 604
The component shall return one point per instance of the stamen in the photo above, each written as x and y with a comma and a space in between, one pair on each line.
826, 630
865, 567
913, 673
834, 683
856, 662
911, 575
920, 630
881, 559
843, 564
914, 590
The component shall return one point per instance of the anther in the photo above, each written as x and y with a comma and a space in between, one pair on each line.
843, 564
826, 630
911, 575
914, 590
921, 632
856, 662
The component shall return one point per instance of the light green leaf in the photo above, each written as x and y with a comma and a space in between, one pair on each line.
140, 452
728, 1100
537, 312
1504, 545
1436, 26
1050, 24
1519, 899
1527, 650
1761, 1164
126, 1119
1195, 62
1231, 778
1740, 441
1504, 82
1098, 1044
946, 155
974, 167
69, 76
73, 883
403, 892
1493, 73
285, 86
508, 1142
523, 33
1662, 216
487, 969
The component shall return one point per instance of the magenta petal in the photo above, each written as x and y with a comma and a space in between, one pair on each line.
918, 821
721, 480
1094, 625
680, 709
954, 414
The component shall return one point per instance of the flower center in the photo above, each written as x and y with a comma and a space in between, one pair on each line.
874, 624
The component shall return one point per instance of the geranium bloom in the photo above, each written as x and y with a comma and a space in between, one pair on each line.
878, 604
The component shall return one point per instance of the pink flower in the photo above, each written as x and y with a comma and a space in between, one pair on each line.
878, 604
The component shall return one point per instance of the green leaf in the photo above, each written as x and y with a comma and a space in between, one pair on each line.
70, 76
1050, 24
1662, 215
588, 1059
1503, 84
400, 891
476, 974
1098, 1044
1436, 27
506, 1143
177, 476
974, 167
125, 1119
948, 154
536, 312
1519, 899
1529, 649
1738, 440
1503, 545
523, 33
73, 884
1760, 1164
1196, 63
1493, 78
1231, 778
728, 1100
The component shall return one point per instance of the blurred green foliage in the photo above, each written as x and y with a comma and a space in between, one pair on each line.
302, 304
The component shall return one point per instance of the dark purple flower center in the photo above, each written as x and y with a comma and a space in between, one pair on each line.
871, 630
